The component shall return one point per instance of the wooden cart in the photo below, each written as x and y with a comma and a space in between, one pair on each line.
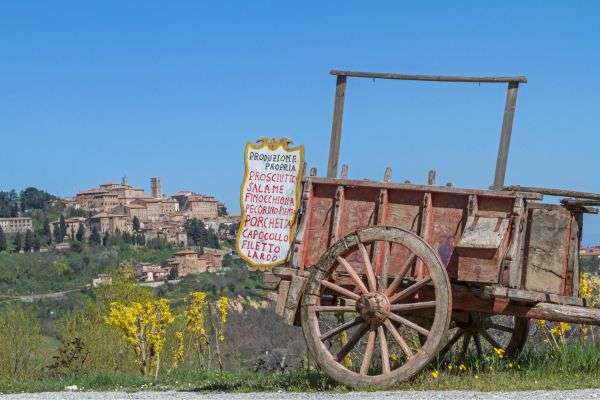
385, 277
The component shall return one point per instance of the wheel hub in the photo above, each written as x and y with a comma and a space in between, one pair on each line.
373, 308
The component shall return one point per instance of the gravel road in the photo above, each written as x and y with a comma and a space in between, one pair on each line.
406, 395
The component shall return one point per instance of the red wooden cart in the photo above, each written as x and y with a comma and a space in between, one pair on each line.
385, 277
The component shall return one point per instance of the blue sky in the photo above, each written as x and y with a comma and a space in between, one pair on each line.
92, 91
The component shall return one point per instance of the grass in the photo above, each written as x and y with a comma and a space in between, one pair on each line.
574, 367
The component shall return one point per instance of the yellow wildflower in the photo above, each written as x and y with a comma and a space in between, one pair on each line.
435, 374
462, 367
499, 352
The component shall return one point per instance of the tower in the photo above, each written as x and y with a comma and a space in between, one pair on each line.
155, 187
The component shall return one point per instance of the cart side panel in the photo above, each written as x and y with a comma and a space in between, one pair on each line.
485, 240
548, 245
318, 225
448, 214
403, 211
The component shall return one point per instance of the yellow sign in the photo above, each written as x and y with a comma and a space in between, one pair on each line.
269, 202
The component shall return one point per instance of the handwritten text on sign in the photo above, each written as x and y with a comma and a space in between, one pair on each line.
269, 199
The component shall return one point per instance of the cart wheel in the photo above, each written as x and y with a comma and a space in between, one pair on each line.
378, 344
474, 335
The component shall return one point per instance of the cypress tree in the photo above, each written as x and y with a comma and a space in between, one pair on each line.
80, 233
18, 242
63, 227
57, 237
47, 232
136, 224
2, 240
95, 239
28, 241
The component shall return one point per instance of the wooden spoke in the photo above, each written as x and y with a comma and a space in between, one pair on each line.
409, 324
398, 279
451, 342
465, 346
359, 283
339, 289
366, 363
490, 339
410, 290
385, 353
499, 327
399, 339
332, 332
368, 266
387, 252
335, 308
352, 342
412, 306
477, 339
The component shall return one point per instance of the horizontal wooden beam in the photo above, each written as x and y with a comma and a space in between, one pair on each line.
430, 78
421, 188
553, 192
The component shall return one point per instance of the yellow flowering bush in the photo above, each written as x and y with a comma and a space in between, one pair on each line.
202, 312
556, 333
589, 289
196, 320
179, 350
223, 310
143, 327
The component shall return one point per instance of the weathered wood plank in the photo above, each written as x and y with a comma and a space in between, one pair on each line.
546, 252
430, 78
270, 281
294, 296
284, 287
528, 296
336, 127
425, 188
505, 133
553, 192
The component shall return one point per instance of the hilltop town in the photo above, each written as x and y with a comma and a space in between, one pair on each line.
194, 225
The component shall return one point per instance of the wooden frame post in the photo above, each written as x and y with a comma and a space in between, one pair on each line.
336, 127
504, 145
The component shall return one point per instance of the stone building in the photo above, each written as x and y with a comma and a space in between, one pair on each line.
107, 222
107, 196
146, 272
17, 224
201, 207
72, 225
187, 262
170, 231
132, 210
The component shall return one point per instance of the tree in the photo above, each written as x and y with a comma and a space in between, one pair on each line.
37, 242
212, 240
20, 341
143, 327
136, 224
9, 204
33, 198
95, 239
28, 241
2, 240
18, 241
106, 239
196, 232
47, 232
80, 233
222, 210
63, 227
56, 234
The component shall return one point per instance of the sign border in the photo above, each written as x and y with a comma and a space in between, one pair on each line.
272, 144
